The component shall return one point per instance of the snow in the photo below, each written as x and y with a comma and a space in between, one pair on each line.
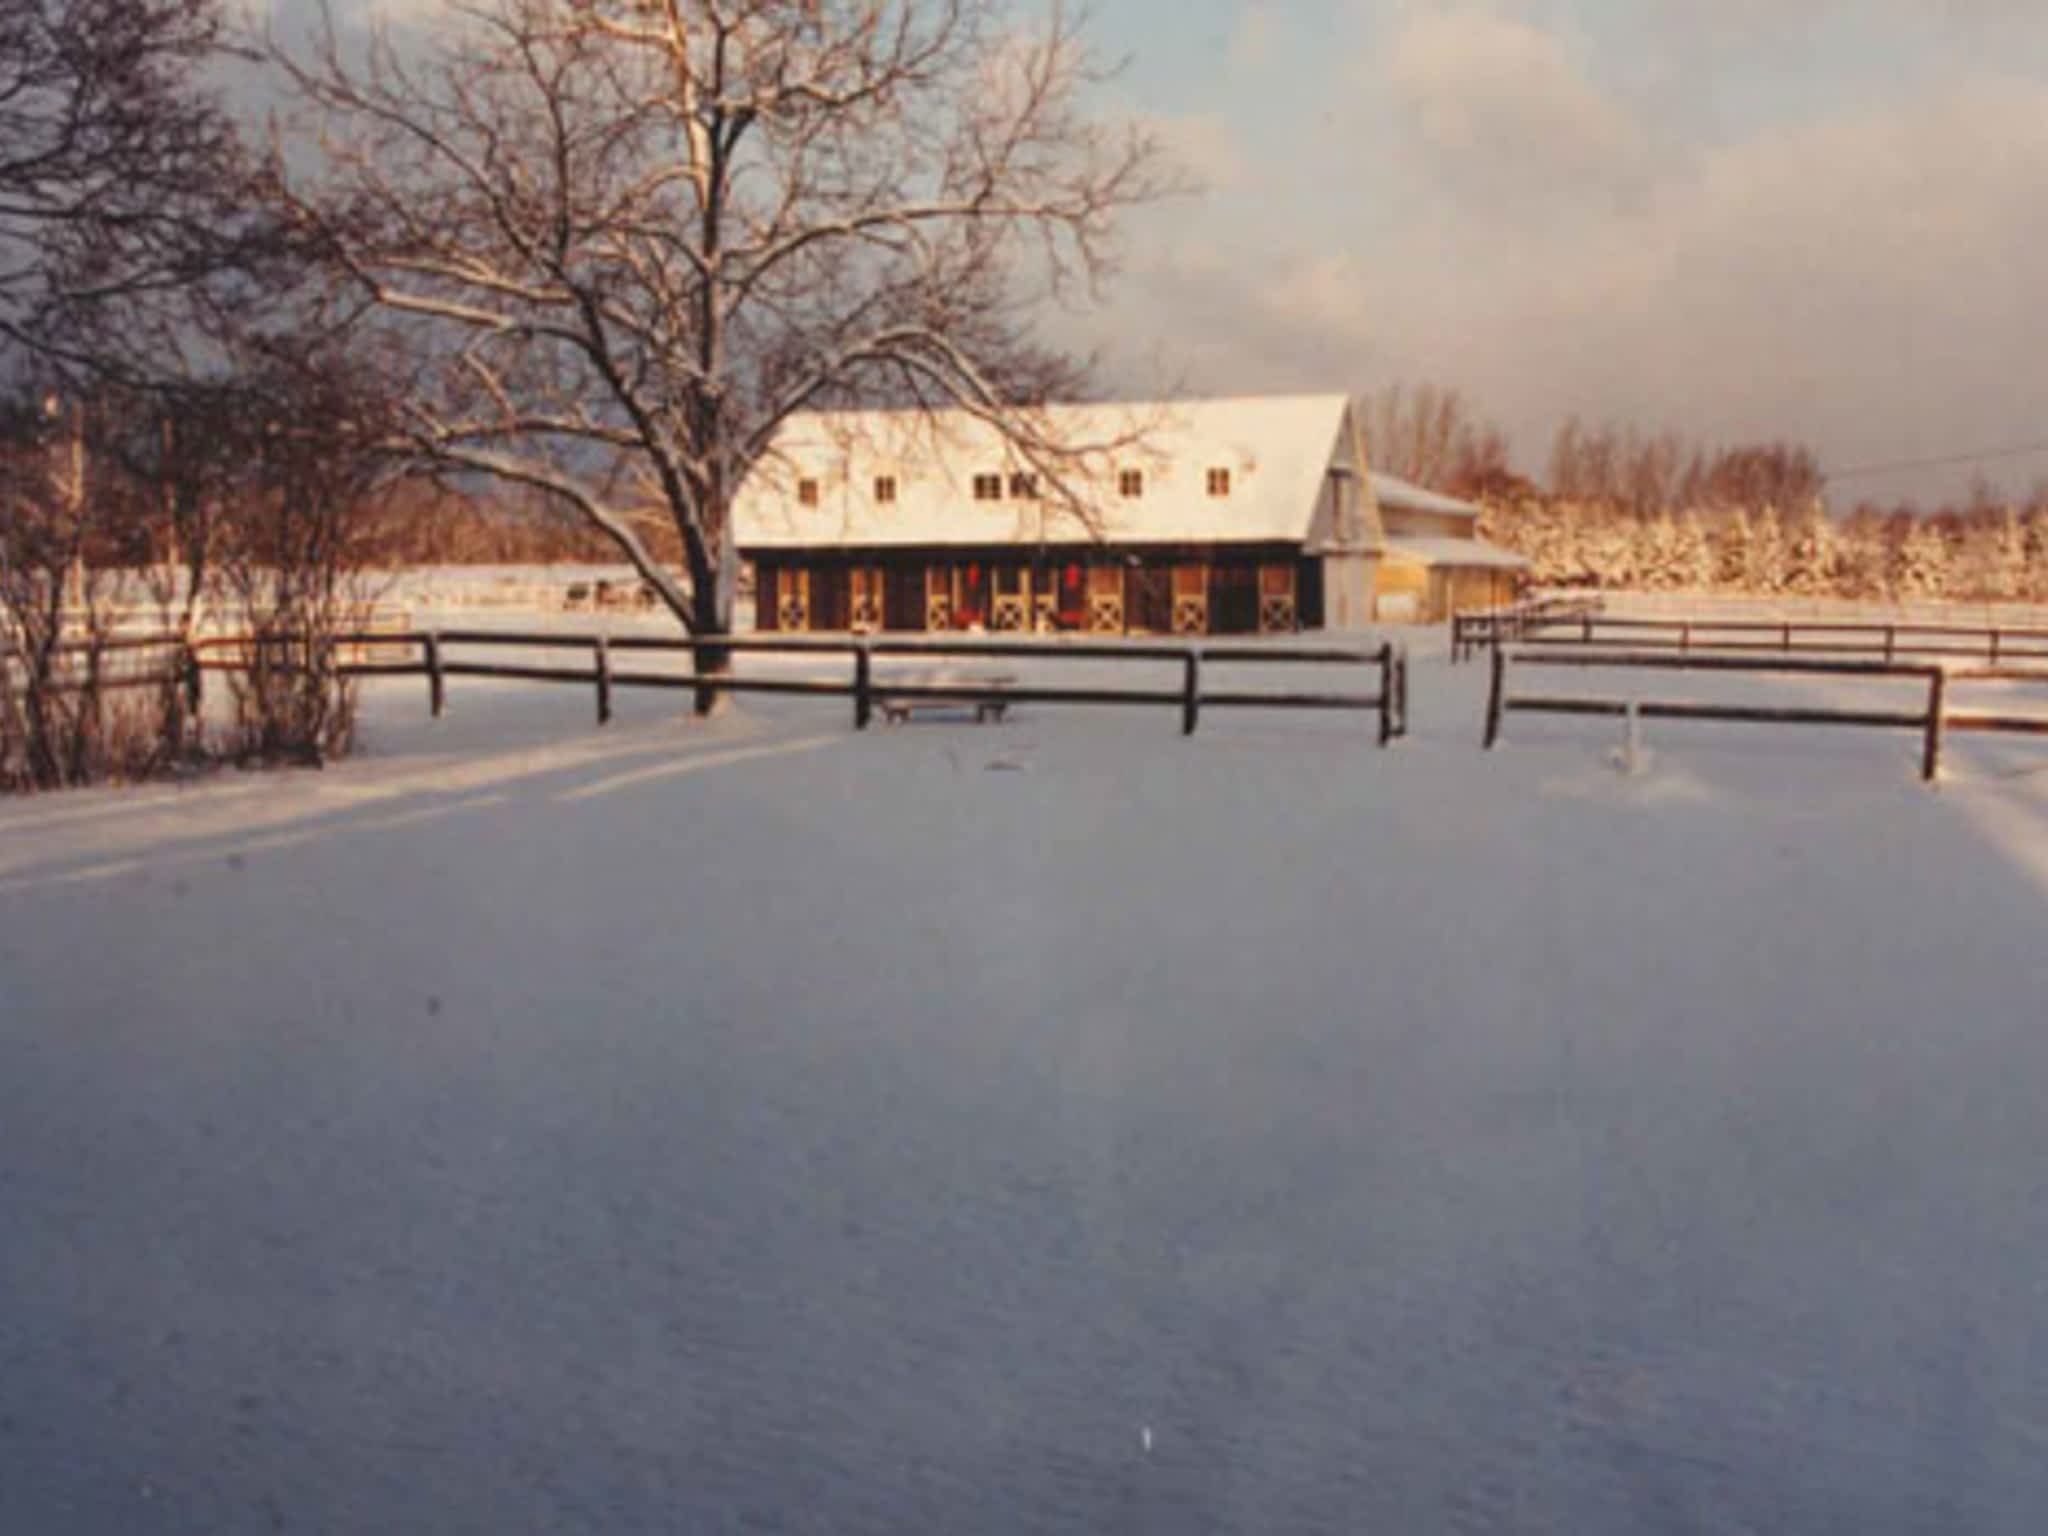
1469, 553
1397, 495
751, 1124
1278, 450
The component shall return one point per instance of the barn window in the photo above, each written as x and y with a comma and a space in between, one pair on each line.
1130, 484
1219, 482
807, 492
1023, 487
988, 487
885, 488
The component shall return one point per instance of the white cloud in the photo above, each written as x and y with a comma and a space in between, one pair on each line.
1498, 111
1204, 145
1256, 39
1870, 281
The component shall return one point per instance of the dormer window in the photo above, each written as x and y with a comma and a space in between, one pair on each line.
1023, 487
1130, 484
988, 487
1219, 483
885, 488
807, 492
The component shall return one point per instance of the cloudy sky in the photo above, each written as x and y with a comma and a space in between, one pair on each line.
1817, 218
1820, 219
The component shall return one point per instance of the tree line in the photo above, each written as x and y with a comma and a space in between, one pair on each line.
1621, 507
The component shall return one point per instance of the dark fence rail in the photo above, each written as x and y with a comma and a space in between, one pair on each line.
1995, 645
427, 654
1932, 719
1475, 632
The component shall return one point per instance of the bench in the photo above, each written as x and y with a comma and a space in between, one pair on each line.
989, 699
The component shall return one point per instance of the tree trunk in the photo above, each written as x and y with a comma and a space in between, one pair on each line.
709, 623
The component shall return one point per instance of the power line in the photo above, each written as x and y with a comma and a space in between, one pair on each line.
1945, 461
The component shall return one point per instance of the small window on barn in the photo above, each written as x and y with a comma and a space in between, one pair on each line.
1219, 482
885, 488
807, 492
1130, 484
1023, 487
988, 487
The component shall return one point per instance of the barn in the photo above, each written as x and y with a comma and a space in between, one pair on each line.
1230, 516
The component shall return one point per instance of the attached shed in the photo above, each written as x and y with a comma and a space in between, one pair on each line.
1433, 562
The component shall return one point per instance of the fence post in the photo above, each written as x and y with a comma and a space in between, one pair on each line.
863, 687
1994, 647
1586, 627
1788, 639
194, 679
1494, 698
1891, 643
1457, 638
437, 685
1937, 711
1386, 692
1191, 691
604, 680
1401, 690
1685, 638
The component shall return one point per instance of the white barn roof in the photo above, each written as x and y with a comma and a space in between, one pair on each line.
1279, 451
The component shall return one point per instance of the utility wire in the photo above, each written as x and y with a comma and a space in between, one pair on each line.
1945, 461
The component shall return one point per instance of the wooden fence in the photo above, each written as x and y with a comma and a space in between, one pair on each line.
1475, 632
1931, 719
437, 655
1992, 645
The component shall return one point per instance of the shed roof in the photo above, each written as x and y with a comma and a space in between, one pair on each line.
1468, 553
1397, 495
1278, 449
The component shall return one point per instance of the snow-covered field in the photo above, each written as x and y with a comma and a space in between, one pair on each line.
1058, 1125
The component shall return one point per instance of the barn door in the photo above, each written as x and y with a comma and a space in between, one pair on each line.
1012, 608
1191, 598
1278, 611
864, 614
793, 598
1106, 599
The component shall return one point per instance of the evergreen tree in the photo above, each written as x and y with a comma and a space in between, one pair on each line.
1734, 550
1765, 574
1812, 555
1693, 556
1921, 567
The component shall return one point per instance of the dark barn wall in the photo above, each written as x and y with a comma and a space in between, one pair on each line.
1229, 578
1234, 595
1308, 588
831, 596
903, 594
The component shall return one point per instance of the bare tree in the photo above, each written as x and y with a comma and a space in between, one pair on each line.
641, 234
294, 547
123, 189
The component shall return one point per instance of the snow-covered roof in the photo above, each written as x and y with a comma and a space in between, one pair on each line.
1457, 552
1398, 495
1278, 449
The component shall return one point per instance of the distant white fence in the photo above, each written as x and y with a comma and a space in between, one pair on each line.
1729, 605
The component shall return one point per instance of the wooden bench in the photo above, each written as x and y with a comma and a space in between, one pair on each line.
989, 699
